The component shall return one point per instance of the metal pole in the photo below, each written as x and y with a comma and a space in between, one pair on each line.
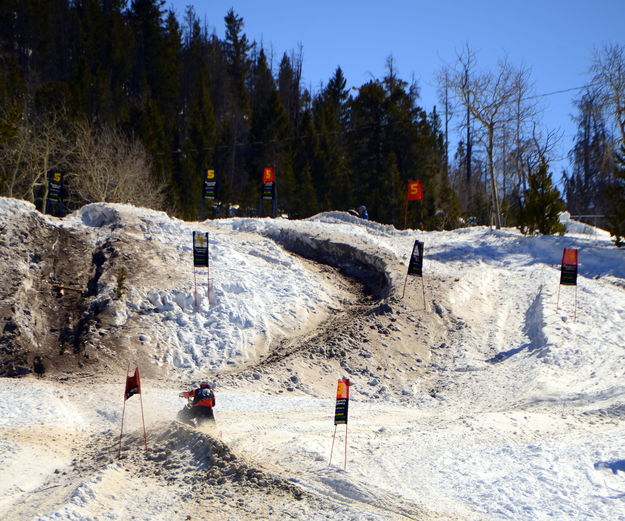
423, 288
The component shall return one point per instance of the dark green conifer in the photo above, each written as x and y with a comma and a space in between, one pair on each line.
616, 199
542, 204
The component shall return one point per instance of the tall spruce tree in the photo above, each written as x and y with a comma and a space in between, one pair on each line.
585, 187
542, 204
330, 168
616, 198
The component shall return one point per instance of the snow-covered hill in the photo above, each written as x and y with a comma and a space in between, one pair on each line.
488, 401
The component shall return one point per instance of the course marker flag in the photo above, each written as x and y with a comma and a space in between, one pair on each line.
415, 267
133, 386
568, 274
201, 258
414, 193
340, 413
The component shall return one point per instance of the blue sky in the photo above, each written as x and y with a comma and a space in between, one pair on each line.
554, 38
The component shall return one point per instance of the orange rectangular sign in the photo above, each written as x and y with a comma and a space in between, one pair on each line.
569, 256
342, 389
415, 191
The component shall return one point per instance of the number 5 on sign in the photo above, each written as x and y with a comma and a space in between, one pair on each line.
415, 191
268, 175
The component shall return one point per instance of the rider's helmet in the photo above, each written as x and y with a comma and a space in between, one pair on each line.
205, 385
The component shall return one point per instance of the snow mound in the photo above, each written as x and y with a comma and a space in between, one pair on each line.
99, 215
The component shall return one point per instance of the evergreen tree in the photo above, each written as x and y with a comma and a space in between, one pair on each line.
542, 204
237, 49
289, 77
585, 187
616, 198
236, 96
330, 168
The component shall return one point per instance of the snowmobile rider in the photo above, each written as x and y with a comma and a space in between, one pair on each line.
203, 402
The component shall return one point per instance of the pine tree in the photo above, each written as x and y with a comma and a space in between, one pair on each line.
330, 168
237, 49
616, 198
585, 188
542, 204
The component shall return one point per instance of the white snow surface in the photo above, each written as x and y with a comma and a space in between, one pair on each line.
528, 424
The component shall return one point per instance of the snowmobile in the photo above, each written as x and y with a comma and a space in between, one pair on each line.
195, 416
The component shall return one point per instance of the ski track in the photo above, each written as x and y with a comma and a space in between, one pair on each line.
517, 417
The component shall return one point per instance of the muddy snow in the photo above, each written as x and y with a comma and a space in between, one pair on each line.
486, 392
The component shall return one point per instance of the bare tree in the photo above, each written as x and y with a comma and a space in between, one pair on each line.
110, 167
608, 69
34, 146
490, 98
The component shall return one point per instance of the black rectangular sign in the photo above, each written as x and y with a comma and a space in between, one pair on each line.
200, 249
269, 190
55, 186
415, 267
568, 271
210, 185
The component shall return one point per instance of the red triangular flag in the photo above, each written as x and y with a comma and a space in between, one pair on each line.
133, 385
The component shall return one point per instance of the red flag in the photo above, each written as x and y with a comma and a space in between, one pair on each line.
133, 385
269, 175
415, 191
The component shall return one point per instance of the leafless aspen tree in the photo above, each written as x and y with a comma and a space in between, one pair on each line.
608, 69
35, 146
490, 98
110, 167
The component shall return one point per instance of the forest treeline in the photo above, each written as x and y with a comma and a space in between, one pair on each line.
135, 105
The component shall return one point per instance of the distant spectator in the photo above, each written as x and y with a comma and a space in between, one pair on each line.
38, 366
361, 212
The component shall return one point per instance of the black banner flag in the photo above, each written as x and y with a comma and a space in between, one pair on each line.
342, 402
200, 249
416, 260
269, 184
568, 271
55, 185
210, 185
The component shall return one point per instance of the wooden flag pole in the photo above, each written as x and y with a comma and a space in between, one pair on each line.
332, 449
345, 460
121, 434
145, 435
406, 214
405, 282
